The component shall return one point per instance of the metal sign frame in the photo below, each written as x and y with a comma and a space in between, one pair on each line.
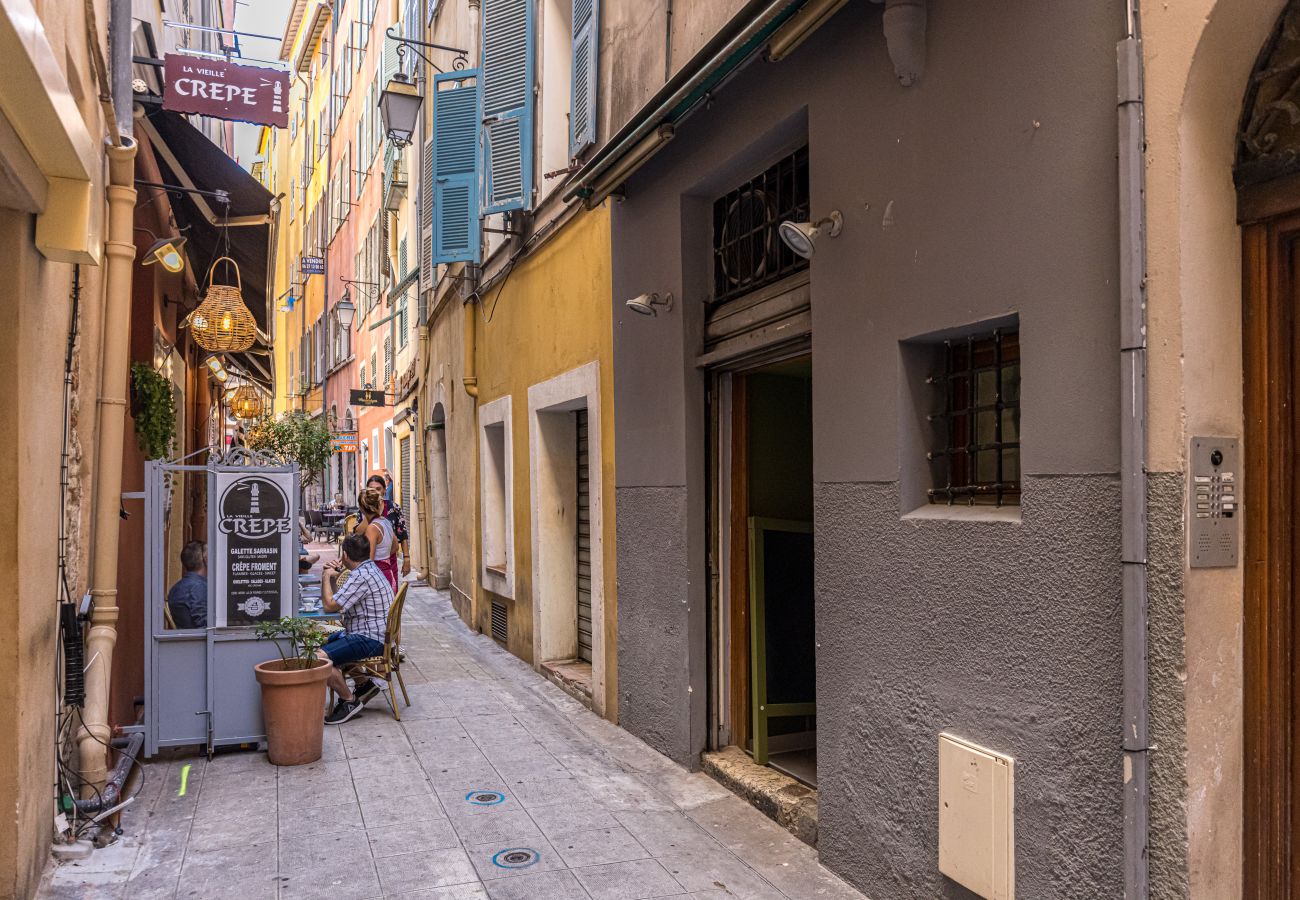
199, 683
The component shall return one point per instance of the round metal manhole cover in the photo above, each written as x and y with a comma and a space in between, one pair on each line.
485, 798
516, 858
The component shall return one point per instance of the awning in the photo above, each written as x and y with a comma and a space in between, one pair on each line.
241, 230
733, 46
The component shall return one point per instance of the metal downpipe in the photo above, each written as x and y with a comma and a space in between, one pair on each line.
1133, 457
110, 431
471, 378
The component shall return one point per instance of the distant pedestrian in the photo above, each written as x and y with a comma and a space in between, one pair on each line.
394, 514
379, 532
388, 486
187, 601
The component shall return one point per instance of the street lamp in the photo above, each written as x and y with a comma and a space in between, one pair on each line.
399, 105
345, 311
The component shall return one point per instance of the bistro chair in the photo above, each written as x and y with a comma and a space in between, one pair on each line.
388, 665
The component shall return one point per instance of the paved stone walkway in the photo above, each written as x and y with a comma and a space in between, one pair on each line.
495, 784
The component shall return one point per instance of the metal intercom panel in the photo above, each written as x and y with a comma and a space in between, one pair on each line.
1214, 509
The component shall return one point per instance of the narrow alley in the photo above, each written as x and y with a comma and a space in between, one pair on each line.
494, 784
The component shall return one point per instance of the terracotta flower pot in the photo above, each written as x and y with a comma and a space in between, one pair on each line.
293, 705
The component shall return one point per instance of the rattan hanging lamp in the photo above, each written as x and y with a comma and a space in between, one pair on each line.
246, 402
222, 323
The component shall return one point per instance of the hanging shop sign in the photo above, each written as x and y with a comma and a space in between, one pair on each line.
226, 90
313, 265
345, 442
255, 557
368, 397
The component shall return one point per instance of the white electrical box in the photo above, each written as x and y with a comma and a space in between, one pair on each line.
977, 845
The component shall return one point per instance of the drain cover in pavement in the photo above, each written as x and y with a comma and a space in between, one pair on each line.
485, 798
515, 858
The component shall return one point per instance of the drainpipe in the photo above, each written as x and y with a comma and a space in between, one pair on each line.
110, 431
119, 250
904, 27
471, 379
1133, 446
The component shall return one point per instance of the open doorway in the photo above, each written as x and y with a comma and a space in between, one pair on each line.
765, 646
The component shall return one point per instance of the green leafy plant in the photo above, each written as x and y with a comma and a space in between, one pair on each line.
295, 437
154, 407
302, 636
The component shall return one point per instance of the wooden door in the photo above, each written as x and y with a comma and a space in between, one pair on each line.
1271, 261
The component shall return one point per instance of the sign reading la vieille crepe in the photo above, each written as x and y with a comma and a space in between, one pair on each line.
226, 90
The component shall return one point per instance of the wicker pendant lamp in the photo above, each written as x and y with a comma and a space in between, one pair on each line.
222, 323
246, 403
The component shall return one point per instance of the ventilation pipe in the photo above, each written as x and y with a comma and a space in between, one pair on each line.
119, 250
904, 26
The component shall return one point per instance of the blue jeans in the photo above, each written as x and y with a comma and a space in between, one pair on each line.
344, 647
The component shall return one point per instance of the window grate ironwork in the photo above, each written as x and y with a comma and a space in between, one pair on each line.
977, 436
748, 252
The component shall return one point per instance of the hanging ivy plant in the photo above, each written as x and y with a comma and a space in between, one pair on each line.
154, 406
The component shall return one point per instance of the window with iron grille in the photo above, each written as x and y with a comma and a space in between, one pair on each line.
748, 253
976, 455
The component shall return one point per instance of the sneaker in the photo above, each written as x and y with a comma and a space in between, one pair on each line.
366, 691
343, 710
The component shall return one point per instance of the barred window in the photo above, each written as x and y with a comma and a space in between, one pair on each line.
748, 252
976, 455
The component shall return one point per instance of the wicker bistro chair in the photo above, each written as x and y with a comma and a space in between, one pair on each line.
387, 666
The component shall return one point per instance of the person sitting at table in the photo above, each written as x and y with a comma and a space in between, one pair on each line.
187, 601
364, 603
306, 559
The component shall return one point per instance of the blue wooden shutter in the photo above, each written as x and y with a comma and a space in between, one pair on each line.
586, 75
426, 216
507, 104
456, 113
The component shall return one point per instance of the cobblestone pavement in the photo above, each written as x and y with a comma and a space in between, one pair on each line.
495, 784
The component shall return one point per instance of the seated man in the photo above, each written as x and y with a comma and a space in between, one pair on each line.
364, 603
188, 599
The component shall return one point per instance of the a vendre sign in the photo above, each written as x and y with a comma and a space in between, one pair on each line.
226, 90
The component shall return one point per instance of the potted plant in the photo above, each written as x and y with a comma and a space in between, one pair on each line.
293, 692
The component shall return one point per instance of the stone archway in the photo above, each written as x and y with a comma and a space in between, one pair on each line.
439, 497
1198, 56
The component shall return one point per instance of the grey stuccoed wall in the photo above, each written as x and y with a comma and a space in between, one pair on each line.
987, 191
1005, 634
1166, 558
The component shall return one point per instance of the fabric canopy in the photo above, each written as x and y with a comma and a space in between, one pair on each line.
240, 229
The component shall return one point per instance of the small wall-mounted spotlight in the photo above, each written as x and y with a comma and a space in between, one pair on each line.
801, 237
217, 368
649, 304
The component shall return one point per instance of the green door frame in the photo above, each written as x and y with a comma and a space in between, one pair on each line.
763, 710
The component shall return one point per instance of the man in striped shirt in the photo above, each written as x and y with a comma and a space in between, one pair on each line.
364, 601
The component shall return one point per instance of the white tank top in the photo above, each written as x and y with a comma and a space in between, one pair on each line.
385, 548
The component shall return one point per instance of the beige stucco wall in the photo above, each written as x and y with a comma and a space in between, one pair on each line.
442, 384
35, 305
1198, 55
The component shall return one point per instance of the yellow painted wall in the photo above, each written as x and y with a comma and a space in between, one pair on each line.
287, 179
553, 314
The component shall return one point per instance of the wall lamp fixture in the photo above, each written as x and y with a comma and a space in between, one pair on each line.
649, 304
164, 250
801, 237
